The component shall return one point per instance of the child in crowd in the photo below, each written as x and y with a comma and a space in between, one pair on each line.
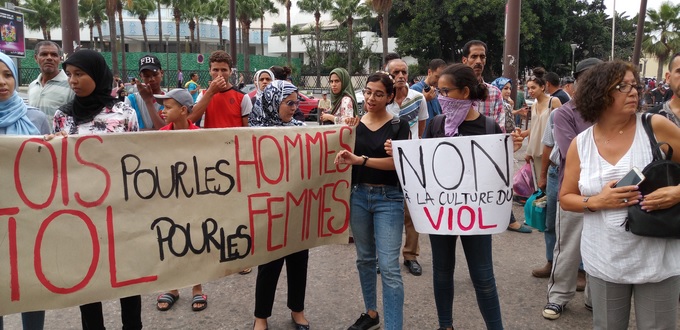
177, 105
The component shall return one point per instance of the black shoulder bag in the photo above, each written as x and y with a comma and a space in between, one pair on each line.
661, 172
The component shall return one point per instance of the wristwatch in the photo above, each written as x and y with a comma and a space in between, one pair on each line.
365, 160
585, 204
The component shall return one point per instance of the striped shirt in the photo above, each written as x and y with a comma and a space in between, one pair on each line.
55, 93
413, 109
493, 106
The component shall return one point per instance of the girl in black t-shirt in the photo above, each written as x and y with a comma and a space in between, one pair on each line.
377, 204
459, 90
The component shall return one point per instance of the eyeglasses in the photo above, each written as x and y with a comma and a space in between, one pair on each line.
397, 72
368, 93
292, 103
626, 88
445, 91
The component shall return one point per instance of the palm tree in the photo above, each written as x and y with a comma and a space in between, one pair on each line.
286, 3
662, 37
246, 12
316, 7
266, 6
160, 25
46, 17
119, 9
220, 10
382, 7
141, 9
178, 7
84, 12
111, 15
344, 11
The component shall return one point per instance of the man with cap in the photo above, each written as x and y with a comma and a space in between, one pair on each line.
324, 104
568, 86
146, 106
566, 270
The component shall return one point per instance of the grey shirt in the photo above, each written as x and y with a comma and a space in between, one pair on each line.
38, 118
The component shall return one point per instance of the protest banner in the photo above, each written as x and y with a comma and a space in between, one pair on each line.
90, 218
457, 186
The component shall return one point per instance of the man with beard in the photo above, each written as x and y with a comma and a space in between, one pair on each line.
671, 108
433, 71
51, 89
474, 56
144, 103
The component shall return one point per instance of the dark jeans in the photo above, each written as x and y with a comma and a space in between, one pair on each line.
478, 255
130, 313
30, 320
268, 277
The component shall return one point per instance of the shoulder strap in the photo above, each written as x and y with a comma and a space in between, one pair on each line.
490, 125
437, 125
656, 146
647, 124
395, 126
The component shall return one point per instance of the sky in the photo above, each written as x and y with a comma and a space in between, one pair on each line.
632, 7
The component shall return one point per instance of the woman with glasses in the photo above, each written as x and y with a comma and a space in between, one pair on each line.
459, 91
279, 101
540, 111
620, 265
377, 205
343, 102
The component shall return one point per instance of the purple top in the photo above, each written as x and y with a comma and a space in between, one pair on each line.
568, 124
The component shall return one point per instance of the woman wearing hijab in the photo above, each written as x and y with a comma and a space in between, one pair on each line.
344, 104
18, 119
95, 111
262, 78
279, 102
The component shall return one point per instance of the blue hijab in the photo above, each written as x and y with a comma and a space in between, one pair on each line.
500, 82
13, 110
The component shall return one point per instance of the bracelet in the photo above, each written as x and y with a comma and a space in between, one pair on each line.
365, 160
585, 206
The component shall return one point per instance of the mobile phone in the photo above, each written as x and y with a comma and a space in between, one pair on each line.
632, 178
427, 88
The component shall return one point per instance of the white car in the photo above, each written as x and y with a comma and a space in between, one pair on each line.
359, 95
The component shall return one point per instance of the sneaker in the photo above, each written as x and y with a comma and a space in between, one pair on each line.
552, 311
543, 272
366, 322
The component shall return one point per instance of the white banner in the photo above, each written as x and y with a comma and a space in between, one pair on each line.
459, 185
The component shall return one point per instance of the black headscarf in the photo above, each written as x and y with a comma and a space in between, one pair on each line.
84, 109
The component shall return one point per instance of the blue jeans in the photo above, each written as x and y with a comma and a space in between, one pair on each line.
551, 211
30, 320
478, 255
377, 221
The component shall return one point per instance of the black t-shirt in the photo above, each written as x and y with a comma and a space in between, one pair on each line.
472, 127
372, 144
561, 95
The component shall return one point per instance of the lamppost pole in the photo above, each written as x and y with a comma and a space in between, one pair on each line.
167, 58
644, 67
573, 54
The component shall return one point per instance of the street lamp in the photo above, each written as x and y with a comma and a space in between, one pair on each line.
167, 60
573, 53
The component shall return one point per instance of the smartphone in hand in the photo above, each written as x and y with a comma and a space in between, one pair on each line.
632, 178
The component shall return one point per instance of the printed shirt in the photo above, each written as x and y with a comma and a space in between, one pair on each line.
49, 97
412, 110
493, 106
117, 119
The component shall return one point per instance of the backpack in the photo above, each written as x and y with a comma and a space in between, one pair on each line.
437, 126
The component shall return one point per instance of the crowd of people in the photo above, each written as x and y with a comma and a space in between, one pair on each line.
584, 133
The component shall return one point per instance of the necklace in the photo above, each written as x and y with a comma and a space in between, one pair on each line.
625, 126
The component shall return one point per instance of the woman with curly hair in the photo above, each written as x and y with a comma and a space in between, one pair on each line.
620, 265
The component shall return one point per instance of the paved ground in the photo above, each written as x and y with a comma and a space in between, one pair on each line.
334, 297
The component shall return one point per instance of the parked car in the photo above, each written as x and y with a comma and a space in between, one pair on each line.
308, 105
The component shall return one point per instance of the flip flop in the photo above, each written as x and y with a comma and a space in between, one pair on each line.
199, 299
246, 271
167, 298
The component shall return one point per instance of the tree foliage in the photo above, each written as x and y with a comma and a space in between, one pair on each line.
47, 16
662, 38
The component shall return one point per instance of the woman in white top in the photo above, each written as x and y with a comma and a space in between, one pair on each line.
540, 111
620, 265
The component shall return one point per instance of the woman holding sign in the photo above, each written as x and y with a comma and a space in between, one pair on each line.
377, 204
279, 101
95, 111
18, 119
459, 91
